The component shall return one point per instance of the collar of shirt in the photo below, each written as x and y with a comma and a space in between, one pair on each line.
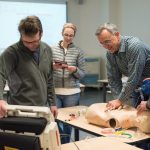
36, 55
122, 45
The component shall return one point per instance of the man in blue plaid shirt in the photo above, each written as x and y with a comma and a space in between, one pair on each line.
126, 56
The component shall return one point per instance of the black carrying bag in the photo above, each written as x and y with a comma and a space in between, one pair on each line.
19, 125
9, 141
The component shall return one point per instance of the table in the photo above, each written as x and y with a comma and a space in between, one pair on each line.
104, 83
80, 123
6, 90
98, 143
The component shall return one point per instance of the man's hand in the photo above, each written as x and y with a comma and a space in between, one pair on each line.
54, 111
141, 107
114, 104
3, 108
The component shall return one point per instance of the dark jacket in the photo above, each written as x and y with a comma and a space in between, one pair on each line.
30, 83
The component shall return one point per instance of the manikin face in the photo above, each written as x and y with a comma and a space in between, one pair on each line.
31, 42
68, 35
109, 41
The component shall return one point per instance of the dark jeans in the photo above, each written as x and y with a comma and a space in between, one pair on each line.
65, 132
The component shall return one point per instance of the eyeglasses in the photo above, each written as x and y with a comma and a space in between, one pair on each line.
107, 42
67, 35
31, 42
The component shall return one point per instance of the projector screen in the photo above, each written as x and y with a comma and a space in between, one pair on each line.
52, 16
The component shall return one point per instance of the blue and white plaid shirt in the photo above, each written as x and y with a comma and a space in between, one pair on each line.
133, 61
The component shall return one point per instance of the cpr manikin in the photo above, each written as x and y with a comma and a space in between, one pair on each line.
126, 117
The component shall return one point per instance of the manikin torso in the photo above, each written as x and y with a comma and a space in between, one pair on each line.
125, 118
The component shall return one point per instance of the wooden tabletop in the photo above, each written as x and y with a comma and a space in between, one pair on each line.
80, 122
103, 81
124, 80
99, 143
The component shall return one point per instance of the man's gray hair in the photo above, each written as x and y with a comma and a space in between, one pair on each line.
112, 28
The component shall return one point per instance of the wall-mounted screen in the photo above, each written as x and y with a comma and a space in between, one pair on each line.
52, 16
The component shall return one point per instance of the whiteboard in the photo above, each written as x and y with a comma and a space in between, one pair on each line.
52, 16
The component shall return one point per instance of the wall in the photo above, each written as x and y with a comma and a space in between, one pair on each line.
131, 17
135, 18
88, 16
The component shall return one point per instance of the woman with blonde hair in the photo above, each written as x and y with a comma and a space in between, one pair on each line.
69, 68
